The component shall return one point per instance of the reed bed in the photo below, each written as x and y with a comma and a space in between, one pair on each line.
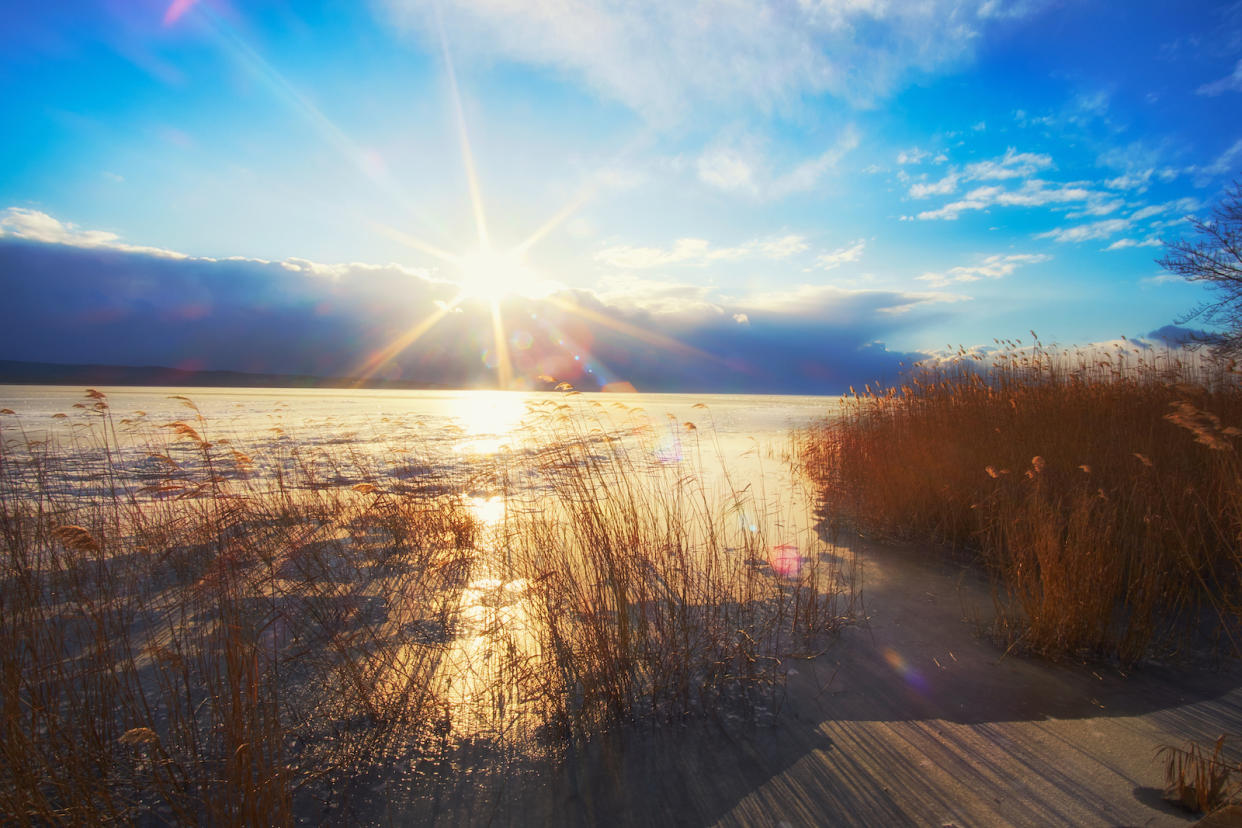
184, 639
209, 627
1101, 489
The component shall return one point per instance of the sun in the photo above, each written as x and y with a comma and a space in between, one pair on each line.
490, 274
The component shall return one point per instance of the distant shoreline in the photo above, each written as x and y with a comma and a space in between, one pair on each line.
16, 372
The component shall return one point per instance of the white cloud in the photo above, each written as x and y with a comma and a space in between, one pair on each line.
1097, 205
1148, 212
944, 186
23, 223
1033, 193
699, 252
660, 57
342, 270
1137, 181
1012, 164
1084, 232
36, 226
1122, 244
658, 296
842, 255
1229, 83
996, 266
781, 247
1181, 206
912, 156
1110, 227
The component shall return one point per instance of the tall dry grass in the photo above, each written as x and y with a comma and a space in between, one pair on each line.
199, 627
663, 590
1102, 489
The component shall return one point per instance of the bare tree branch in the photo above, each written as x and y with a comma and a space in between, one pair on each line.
1214, 255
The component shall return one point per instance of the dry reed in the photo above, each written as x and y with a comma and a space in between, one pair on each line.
1101, 489
1197, 780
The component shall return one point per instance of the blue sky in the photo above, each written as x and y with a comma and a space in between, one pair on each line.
800, 192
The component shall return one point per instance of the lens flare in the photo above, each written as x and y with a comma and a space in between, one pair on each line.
904, 669
177, 8
786, 560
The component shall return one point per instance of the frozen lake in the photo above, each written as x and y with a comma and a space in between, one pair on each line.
488, 439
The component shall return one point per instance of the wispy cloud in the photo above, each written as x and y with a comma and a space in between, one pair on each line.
1098, 205
1229, 83
1122, 244
996, 266
659, 57
1108, 228
914, 155
1178, 207
842, 255
942, 186
1033, 193
1084, 232
1137, 181
742, 167
1226, 163
1012, 164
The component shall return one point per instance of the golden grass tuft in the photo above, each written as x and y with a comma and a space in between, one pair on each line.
1196, 780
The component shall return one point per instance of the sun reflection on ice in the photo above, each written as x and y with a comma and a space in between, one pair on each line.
490, 421
489, 511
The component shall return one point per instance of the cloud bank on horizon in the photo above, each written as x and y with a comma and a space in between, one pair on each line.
88, 297
724, 196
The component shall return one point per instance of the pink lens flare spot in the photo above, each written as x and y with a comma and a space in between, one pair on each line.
176, 9
786, 559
